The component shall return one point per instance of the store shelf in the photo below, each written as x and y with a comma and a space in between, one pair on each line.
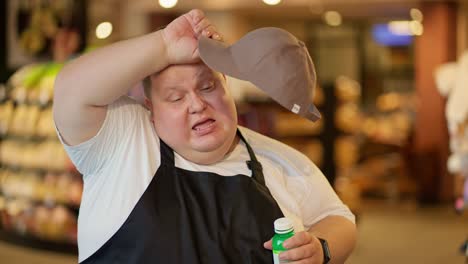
40, 189
29, 139
48, 203
71, 170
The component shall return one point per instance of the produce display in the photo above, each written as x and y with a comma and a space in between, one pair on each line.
348, 122
369, 151
393, 121
40, 190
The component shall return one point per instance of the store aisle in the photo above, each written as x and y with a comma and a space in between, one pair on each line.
388, 233
405, 233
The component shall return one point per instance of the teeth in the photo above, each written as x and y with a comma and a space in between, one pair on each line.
203, 125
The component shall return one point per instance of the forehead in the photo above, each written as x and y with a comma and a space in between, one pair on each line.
178, 75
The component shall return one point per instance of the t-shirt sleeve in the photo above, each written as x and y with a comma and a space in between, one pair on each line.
309, 187
314, 194
319, 199
91, 156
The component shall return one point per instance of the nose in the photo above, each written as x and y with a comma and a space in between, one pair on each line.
197, 103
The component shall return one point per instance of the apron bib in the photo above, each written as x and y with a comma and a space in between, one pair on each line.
196, 217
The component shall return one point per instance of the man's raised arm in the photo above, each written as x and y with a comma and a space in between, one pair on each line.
86, 85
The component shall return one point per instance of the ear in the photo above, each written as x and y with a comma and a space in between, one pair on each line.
149, 105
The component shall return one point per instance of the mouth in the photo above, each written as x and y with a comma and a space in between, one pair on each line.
203, 125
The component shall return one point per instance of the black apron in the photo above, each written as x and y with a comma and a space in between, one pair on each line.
196, 217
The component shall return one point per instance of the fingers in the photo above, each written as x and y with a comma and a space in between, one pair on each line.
205, 28
196, 15
198, 20
303, 261
202, 26
300, 253
302, 248
298, 240
268, 244
212, 32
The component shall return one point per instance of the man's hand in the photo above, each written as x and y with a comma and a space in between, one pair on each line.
303, 248
181, 36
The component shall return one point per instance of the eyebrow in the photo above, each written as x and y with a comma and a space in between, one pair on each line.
201, 77
167, 91
170, 89
207, 77
204, 73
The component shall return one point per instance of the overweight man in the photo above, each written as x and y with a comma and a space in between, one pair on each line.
177, 180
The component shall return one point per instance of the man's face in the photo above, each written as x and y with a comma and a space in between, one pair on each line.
193, 112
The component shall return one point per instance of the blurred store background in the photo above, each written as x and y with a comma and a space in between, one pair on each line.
386, 142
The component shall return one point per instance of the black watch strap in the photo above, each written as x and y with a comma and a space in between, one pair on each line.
326, 250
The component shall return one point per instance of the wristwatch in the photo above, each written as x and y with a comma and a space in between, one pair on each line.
326, 250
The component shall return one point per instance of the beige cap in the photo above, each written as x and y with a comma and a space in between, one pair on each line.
272, 59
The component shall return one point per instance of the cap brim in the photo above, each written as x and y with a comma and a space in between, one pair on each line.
313, 113
217, 55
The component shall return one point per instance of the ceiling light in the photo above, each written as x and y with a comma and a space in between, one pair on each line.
406, 28
103, 30
271, 2
332, 18
401, 28
416, 14
167, 3
416, 28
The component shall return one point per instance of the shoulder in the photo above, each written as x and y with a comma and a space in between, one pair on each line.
126, 111
276, 154
256, 139
272, 148
127, 102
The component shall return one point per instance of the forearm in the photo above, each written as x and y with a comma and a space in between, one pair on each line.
340, 234
102, 76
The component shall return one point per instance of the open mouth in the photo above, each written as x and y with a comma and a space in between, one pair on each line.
204, 125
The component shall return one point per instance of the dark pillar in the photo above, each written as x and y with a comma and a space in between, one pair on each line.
436, 46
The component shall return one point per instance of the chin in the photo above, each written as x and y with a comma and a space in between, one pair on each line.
213, 142
208, 145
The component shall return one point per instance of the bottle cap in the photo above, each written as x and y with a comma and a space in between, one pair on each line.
283, 225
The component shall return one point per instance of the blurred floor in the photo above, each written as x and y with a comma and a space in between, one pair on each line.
11, 254
388, 233
406, 233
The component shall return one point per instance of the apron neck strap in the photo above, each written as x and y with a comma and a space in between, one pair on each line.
167, 154
254, 165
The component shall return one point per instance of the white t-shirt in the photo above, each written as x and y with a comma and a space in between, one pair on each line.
120, 161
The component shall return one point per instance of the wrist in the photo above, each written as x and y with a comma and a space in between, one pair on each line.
160, 58
325, 250
162, 35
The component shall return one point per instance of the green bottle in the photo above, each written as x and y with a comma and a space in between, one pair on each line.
283, 230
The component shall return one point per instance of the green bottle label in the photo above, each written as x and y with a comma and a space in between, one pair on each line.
278, 240
276, 259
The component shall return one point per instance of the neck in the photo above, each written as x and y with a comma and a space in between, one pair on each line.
207, 158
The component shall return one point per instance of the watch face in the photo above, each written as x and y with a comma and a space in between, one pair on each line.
326, 251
